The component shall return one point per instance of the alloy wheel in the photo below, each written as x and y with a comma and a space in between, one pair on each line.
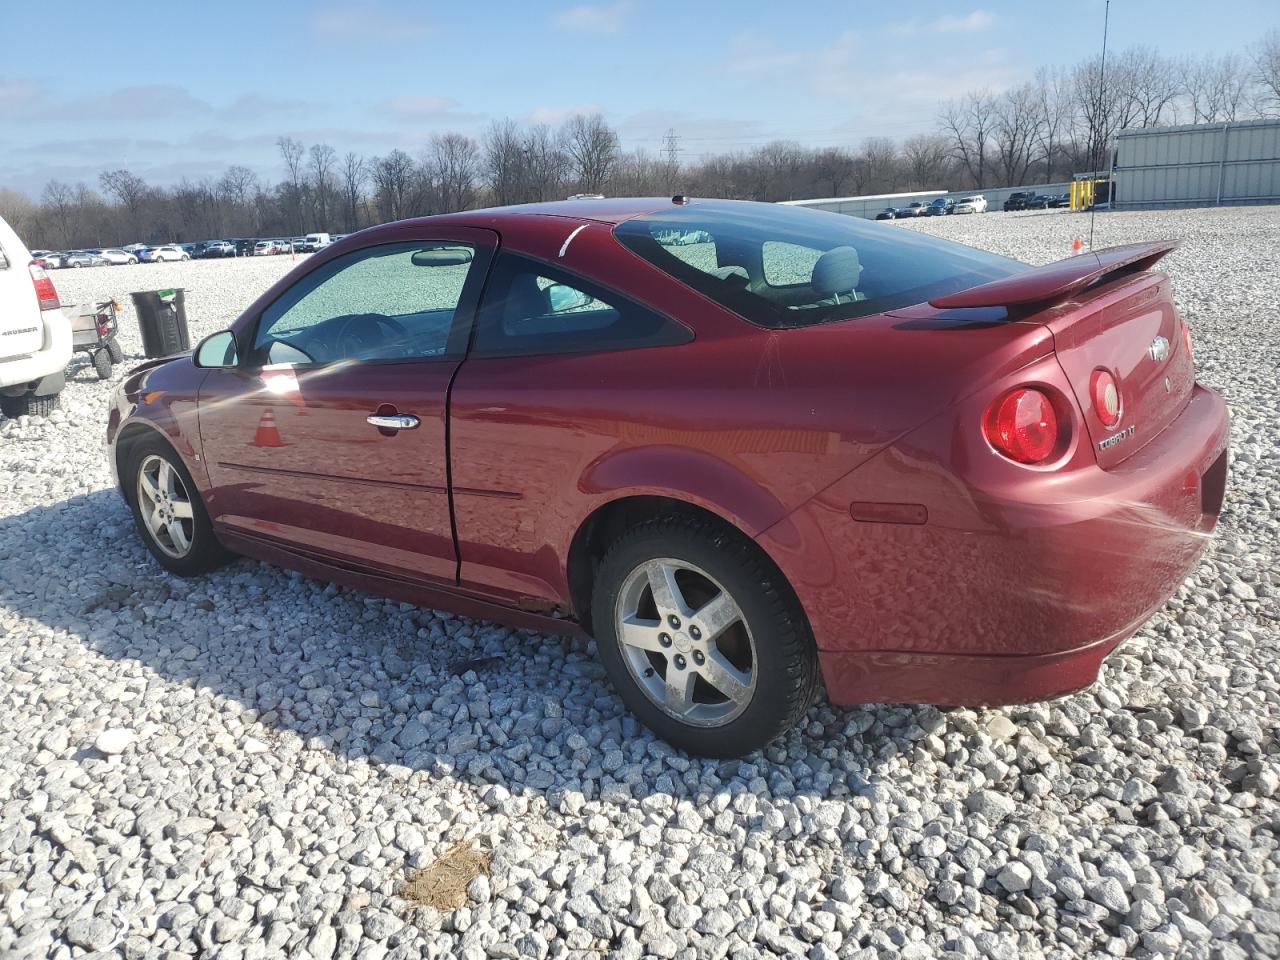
686, 642
165, 506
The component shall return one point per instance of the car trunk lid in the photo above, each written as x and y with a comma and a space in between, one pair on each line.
1105, 313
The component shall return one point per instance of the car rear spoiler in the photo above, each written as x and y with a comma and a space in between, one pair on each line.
1059, 280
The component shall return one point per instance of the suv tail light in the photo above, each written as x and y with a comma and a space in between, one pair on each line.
1106, 397
1186, 338
1023, 426
45, 293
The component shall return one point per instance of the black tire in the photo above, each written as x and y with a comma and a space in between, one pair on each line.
114, 349
205, 553
28, 405
77, 265
785, 658
102, 363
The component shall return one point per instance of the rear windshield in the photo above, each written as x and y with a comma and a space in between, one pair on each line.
781, 266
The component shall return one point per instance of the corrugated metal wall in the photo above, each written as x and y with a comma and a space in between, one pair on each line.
1212, 163
869, 206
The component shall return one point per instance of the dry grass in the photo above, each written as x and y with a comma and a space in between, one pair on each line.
443, 884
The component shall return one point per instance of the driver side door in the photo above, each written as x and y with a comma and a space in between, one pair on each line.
330, 438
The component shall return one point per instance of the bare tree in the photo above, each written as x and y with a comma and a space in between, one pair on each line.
18, 210
546, 163
502, 165
291, 152
1265, 57
1149, 84
833, 168
1216, 88
129, 190
354, 175
320, 162
968, 125
452, 162
1016, 129
1055, 112
59, 200
592, 146
393, 177
924, 158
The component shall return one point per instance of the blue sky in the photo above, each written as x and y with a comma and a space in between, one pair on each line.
183, 90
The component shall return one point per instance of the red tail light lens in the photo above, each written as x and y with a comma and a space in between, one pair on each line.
1023, 426
45, 293
1106, 397
1186, 338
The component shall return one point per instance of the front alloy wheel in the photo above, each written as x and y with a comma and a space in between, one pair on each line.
165, 506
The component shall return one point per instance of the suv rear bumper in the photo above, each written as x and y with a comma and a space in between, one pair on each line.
41, 372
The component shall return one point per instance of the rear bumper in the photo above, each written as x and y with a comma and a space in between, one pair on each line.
1000, 598
47, 363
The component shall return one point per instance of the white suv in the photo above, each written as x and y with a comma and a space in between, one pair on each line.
975, 204
35, 335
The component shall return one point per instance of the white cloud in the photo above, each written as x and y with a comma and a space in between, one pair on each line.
365, 23
554, 116
410, 106
973, 22
970, 23
595, 18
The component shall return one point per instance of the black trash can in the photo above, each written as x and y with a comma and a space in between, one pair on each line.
162, 318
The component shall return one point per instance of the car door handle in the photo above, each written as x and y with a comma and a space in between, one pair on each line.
393, 421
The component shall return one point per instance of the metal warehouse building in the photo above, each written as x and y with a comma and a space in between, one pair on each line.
1218, 163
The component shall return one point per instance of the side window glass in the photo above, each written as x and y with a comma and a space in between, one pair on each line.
787, 264
390, 302
531, 307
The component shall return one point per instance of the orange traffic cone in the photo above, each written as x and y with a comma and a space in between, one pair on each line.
1077, 246
267, 435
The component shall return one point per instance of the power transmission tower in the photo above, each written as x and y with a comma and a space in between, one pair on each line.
671, 156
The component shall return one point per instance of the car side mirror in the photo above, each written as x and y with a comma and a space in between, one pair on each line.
218, 350
562, 298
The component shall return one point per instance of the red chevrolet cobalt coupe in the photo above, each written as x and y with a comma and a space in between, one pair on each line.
746, 447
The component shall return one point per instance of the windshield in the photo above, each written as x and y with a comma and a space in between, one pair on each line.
781, 266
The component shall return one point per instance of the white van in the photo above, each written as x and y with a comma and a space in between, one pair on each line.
35, 335
317, 241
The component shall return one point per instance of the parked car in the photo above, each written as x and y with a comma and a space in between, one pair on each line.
915, 209
974, 204
940, 207
245, 247
270, 248
317, 241
1037, 201
84, 258
216, 249
888, 213
49, 259
1017, 200
1060, 200
35, 335
615, 470
168, 252
117, 257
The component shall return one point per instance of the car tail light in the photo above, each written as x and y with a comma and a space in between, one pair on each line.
1186, 338
1023, 426
1106, 397
45, 293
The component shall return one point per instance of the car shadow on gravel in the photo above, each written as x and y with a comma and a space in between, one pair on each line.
395, 685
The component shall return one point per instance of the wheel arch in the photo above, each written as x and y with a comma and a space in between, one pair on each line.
608, 521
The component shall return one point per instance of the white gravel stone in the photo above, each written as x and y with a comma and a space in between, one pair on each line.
297, 750
113, 741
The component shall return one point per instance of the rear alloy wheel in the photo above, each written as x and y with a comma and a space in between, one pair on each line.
702, 637
168, 512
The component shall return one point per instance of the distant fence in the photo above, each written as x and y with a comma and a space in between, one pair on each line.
869, 206
1207, 163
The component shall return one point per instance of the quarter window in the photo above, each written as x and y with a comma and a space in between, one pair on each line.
390, 302
531, 307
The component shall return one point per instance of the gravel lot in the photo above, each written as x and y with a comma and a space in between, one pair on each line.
254, 763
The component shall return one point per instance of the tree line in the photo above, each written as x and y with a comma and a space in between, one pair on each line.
1040, 131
